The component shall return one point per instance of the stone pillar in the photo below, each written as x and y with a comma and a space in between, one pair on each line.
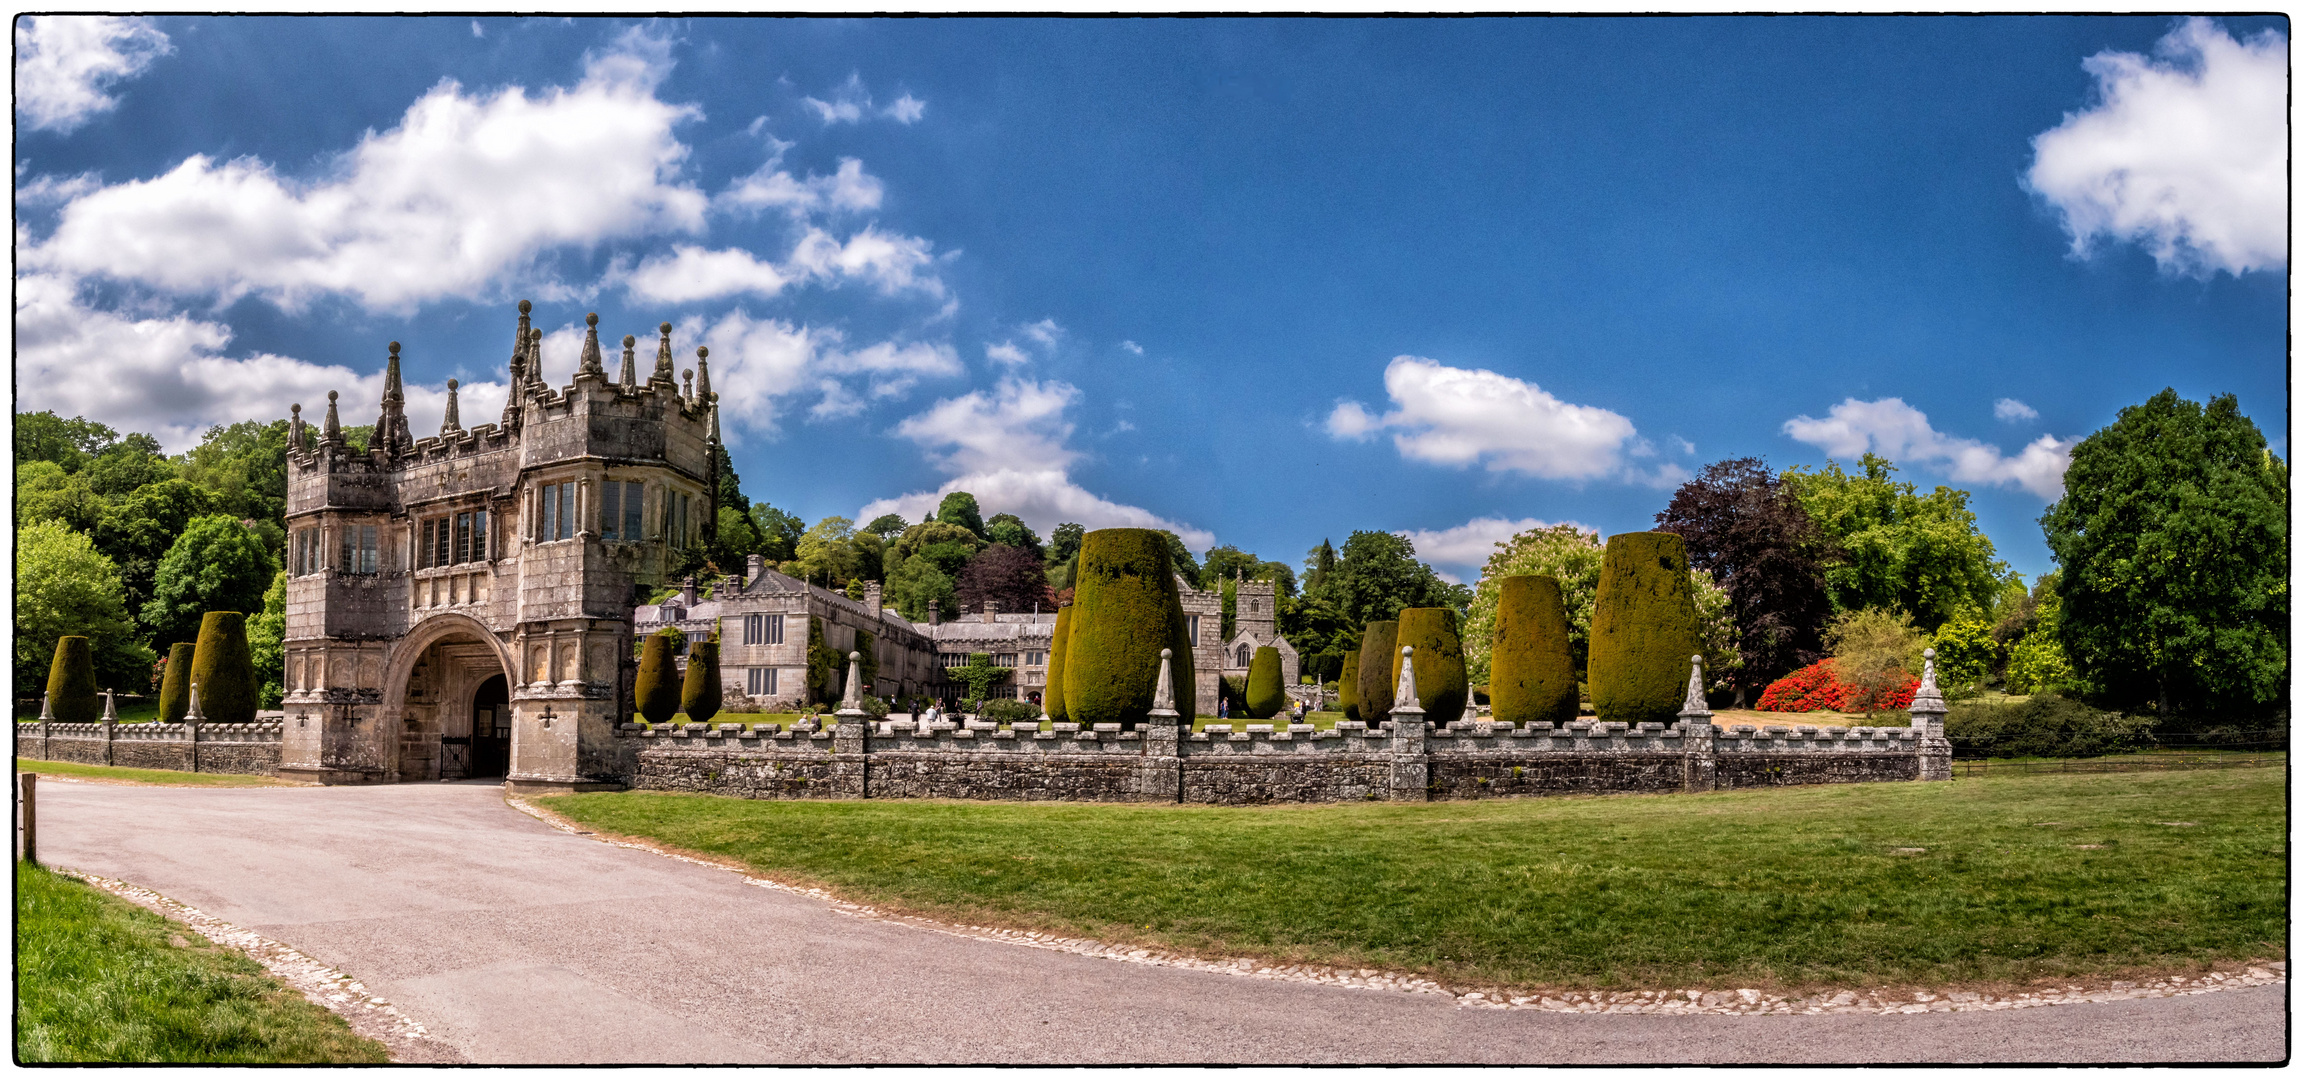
110, 720
1701, 772
1161, 776
851, 736
1927, 714
192, 721
1410, 763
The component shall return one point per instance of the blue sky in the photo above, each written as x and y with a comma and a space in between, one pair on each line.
1263, 282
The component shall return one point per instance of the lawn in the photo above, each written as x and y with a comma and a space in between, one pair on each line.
99, 979
1988, 880
143, 776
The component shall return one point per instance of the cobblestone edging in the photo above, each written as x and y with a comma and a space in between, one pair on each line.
1691, 1002
373, 1017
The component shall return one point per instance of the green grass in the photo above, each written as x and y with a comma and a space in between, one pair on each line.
143, 776
100, 979
2020, 878
749, 720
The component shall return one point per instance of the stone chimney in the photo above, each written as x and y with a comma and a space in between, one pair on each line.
688, 592
935, 614
991, 611
754, 566
872, 598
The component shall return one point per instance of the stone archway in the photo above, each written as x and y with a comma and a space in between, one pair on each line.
432, 687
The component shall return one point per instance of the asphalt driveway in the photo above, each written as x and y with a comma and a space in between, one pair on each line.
517, 943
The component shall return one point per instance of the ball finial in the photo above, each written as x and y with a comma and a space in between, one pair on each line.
592, 318
629, 340
702, 352
297, 408
331, 395
1930, 654
1166, 653
451, 384
1695, 659
523, 307
855, 656
395, 346
665, 328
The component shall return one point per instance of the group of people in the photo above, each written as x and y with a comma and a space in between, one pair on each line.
1295, 711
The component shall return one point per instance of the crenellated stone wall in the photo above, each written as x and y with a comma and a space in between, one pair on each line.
244, 749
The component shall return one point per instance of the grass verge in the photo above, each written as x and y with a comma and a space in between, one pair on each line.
99, 979
1986, 881
117, 774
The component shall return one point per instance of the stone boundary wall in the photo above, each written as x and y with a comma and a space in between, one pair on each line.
1265, 763
245, 749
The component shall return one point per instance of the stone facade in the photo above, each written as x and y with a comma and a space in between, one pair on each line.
461, 604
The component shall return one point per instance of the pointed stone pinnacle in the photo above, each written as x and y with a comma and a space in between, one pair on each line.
1163, 692
627, 378
451, 424
1404, 695
192, 715
1694, 706
589, 363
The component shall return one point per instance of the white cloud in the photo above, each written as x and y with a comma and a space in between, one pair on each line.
1468, 545
849, 189
905, 110
1132, 347
892, 262
1007, 447
1044, 331
467, 191
167, 375
2008, 408
1681, 444
759, 364
64, 62
2184, 154
1900, 433
476, 31
1456, 416
1006, 352
692, 273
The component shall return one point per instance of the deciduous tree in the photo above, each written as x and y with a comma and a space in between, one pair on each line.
65, 586
217, 565
1746, 529
1920, 554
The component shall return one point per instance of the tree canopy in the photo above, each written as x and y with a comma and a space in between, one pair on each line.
959, 508
1746, 528
1919, 554
65, 586
2172, 541
217, 565
1009, 576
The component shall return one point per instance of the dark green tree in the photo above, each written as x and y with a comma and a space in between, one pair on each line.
1377, 575
1748, 530
72, 694
1181, 556
1066, 541
2172, 541
137, 530
44, 436
1010, 530
65, 586
1643, 629
1317, 565
217, 565
223, 674
959, 508
1919, 554
1265, 695
779, 532
267, 634
700, 685
887, 526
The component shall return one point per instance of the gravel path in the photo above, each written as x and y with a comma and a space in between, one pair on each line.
471, 930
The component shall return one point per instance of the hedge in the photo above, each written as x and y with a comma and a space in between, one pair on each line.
1441, 685
655, 696
1531, 665
2046, 725
1347, 684
1125, 609
223, 671
1266, 698
72, 696
1052, 697
1378, 641
1643, 629
175, 681
700, 690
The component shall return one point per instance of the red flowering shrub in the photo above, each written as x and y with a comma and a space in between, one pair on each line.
1818, 686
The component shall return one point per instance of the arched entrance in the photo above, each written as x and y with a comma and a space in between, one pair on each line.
452, 715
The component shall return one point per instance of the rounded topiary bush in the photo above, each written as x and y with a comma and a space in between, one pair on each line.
1643, 629
1124, 611
176, 683
1347, 685
1531, 663
700, 690
72, 696
1265, 696
1441, 686
1052, 698
1379, 640
223, 672
656, 693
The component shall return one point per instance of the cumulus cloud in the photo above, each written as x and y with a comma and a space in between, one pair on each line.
1005, 352
1457, 416
1008, 448
1900, 433
848, 189
2184, 153
851, 103
760, 365
167, 375
1132, 347
65, 62
465, 192
692, 273
1468, 545
2009, 409
905, 110
892, 262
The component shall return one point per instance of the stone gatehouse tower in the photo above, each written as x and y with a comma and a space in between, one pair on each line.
461, 604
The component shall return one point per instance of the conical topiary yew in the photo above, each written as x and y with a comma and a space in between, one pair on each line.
1378, 641
700, 690
1125, 609
1052, 699
1347, 685
1643, 629
223, 673
1531, 664
176, 683
1265, 696
72, 696
1441, 685
656, 693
